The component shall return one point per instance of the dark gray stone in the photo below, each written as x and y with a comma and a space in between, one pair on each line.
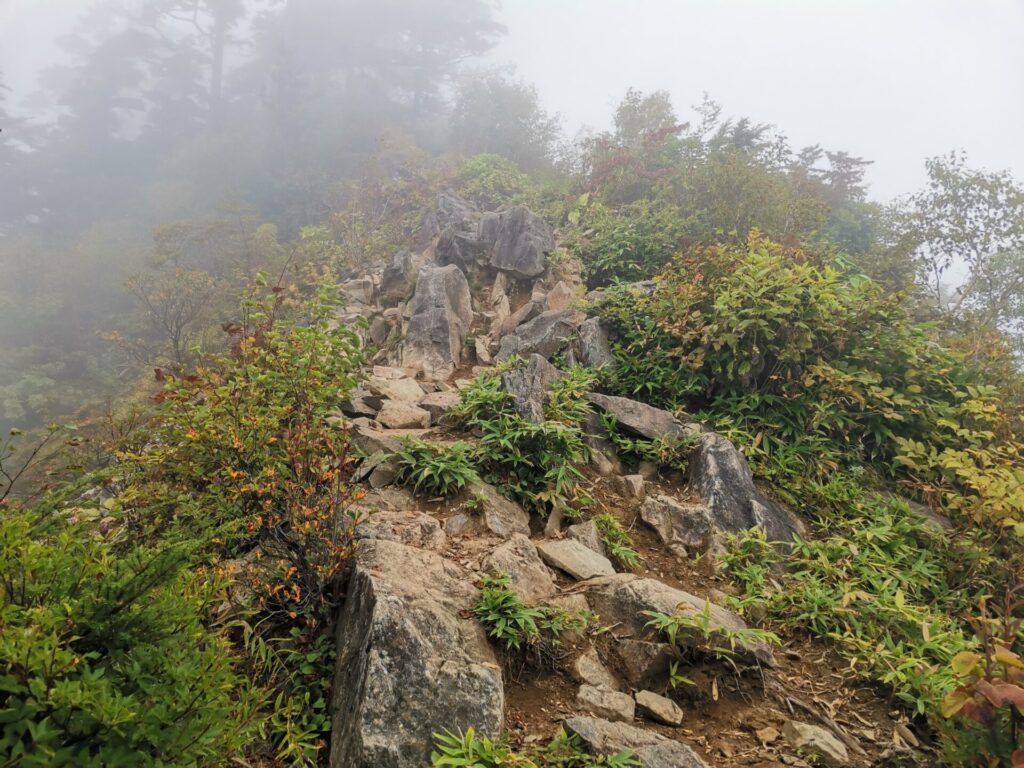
545, 335
440, 315
522, 242
592, 348
722, 478
642, 419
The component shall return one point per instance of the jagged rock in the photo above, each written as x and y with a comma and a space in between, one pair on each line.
398, 415
602, 463
440, 315
522, 242
461, 247
378, 331
643, 663
645, 420
428, 229
403, 389
630, 486
453, 211
651, 750
544, 335
553, 525
379, 469
588, 668
722, 478
560, 297
821, 742
359, 291
414, 529
648, 470
500, 313
574, 558
605, 703
659, 708
592, 348
623, 597
492, 512
527, 312
370, 440
588, 535
481, 348
528, 384
398, 278
687, 525
519, 559
437, 404
362, 403
394, 499
408, 664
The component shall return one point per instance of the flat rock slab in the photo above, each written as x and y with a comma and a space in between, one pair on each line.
409, 665
576, 559
414, 529
642, 419
398, 415
544, 335
652, 750
611, 705
624, 597
659, 708
484, 509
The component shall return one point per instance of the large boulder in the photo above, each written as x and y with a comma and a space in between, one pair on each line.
545, 335
722, 478
642, 419
440, 315
528, 384
409, 665
622, 599
651, 750
522, 242
575, 558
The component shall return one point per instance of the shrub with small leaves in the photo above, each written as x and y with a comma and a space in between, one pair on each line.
434, 471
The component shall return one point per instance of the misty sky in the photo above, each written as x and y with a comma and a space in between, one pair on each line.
894, 81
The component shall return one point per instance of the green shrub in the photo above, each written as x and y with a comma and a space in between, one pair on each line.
564, 751
627, 244
537, 464
433, 471
518, 626
795, 356
617, 541
105, 657
881, 584
493, 182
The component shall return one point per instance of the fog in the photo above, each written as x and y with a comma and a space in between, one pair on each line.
894, 81
148, 143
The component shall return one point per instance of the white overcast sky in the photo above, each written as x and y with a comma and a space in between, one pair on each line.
894, 81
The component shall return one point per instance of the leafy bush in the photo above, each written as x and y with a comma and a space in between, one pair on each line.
617, 541
518, 626
881, 584
433, 471
105, 656
535, 463
564, 751
627, 244
985, 712
492, 182
241, 455
803, 361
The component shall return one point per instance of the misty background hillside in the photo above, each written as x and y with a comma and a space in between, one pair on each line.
200, 133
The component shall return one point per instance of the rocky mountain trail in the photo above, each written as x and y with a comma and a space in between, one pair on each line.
476, 290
